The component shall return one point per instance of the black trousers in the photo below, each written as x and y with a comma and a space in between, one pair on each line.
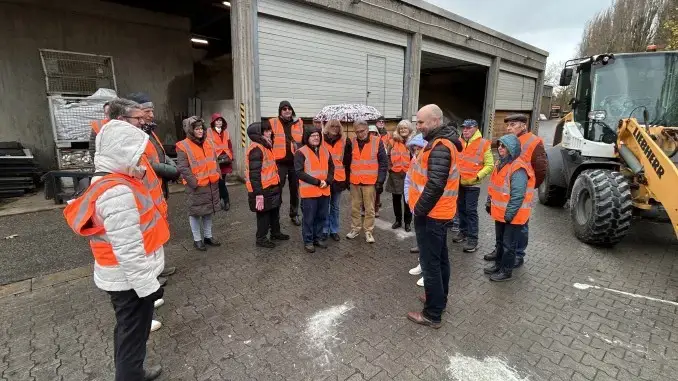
435, 264
223, 190
133, 317
398, 203
286, 172
268, 220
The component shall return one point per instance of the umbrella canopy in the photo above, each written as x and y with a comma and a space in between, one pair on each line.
347, 113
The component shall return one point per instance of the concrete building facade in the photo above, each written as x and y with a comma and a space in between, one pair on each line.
395, 55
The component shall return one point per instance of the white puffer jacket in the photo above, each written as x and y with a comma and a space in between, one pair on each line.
119, 146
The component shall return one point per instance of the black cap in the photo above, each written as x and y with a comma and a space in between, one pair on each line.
381, 118
516, 118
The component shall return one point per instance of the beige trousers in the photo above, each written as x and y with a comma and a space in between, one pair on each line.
362, 195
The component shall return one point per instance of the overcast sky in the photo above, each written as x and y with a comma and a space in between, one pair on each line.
554, 26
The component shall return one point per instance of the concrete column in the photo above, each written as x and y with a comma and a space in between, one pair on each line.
245, 54
490, 97
412, 76
536, 109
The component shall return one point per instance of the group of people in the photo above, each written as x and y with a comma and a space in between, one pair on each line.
433, 175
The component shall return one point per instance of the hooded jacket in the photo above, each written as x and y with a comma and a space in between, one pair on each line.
255, 159
439, 162
415, 141
203, 200
287, 127
300, 159
518, 178
488, 162
348, 157
119, 146
225, 168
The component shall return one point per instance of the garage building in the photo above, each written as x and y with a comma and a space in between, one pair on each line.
241, 58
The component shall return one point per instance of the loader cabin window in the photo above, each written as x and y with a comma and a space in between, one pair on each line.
629, 84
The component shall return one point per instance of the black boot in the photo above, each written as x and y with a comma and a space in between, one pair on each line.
152, 373
321, 244
501, 276
491, 269
492, 256
408, 228
266, 244
396, 225
212, 242
335, 237
471, 246
296, 220
280, 237
309, 248
200, 245
459, 237
518, 263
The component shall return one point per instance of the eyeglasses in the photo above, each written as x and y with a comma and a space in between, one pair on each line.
500, 145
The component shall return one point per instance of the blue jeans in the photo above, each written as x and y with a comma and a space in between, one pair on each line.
332, 225
467, 211
314, 216
435, 264
522, 244
509, 238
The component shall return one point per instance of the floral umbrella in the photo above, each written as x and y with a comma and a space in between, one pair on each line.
347, 113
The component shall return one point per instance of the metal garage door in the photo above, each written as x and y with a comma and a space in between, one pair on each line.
447, 50
515, 92
313, 67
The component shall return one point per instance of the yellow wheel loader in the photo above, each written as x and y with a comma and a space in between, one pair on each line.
614, 156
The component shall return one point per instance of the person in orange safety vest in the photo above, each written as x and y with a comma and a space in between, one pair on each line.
197, 162
475, 162
432, 196
288, 131
263, 185
126, 233
399, 163
96, 127
511, 197
341, 149
314, 166
221, 141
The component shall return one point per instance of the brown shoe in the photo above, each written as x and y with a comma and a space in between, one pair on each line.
418, 318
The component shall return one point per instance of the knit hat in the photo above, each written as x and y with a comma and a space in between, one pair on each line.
142, 99
416, 141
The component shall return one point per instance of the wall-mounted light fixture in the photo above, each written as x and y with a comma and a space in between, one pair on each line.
226, 4
199, 41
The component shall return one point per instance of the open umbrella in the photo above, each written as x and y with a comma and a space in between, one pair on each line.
348, 112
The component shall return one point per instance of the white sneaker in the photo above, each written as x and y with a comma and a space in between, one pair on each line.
416, 270
155, 325
369, 237
352, 234
420, 282
158, 303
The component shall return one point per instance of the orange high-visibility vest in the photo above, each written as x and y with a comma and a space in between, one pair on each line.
528, 143
79, 216
279, 141
269, 169
152, 152
400, 157
337, 151
317, 166
364, 164
499, 191
386, 139
446, 207
97, 124
220, 144
202, 160
472, 158
154, 186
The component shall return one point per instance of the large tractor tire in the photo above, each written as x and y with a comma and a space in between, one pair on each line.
600, 207
551, 195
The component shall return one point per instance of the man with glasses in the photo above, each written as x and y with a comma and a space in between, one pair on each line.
288, 131
533, 153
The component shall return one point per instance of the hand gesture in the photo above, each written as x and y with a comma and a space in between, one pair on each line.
323, 184
259, 204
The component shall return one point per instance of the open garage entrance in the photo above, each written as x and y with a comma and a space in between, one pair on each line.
454, 79
211, 81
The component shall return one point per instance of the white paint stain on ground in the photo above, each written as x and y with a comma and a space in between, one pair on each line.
322, 330
464, 368
400, 233
618, 343
584, 286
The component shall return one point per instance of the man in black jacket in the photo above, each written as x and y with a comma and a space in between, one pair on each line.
433, 199
290, 135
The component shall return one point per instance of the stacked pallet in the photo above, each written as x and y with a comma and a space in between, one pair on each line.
19, 172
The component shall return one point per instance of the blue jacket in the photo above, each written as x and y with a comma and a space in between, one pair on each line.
518, 178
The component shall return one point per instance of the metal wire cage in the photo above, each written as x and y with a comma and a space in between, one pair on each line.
72, 73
